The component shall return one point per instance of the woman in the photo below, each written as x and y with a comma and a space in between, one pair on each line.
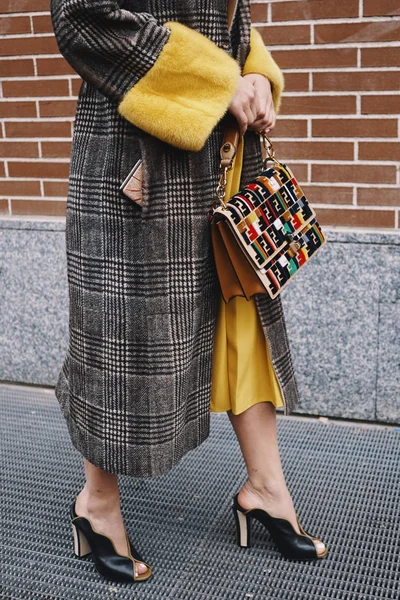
159, 81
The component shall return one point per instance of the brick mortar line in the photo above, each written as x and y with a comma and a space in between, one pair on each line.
292, 116
327, 184
337, 140
308, 93
359, 106
309, 141
55, 77
32, 198
24, 159
353, 69
286, 94
365, 20
306, 46
39, 55
358, 19
35, 70
316, 93
360, 207
45, 179
328, 21
335, 45
75, 76
61, 77
35, 139
37, 120
39, 13
336, 163
35, 99
27, 36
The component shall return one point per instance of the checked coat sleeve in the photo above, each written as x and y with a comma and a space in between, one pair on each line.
169, 80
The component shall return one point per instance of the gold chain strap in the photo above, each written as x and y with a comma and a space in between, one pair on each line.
221, 187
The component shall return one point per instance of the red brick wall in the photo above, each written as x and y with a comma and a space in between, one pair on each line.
338, 129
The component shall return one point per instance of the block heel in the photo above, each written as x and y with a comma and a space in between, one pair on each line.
243, 528
81, 545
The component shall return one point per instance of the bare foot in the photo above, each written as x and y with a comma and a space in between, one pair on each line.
105, 514
278, 503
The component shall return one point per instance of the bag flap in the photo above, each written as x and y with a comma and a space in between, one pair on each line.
268, 214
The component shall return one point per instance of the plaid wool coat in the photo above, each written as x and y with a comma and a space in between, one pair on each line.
158, 77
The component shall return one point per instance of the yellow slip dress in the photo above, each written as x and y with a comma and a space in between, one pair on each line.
242, 372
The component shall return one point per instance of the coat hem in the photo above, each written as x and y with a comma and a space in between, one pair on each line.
77, 437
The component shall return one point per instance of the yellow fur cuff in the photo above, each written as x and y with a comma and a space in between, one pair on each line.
259, 60
186, 92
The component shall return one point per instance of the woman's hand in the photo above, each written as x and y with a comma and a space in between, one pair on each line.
243, 104
252, 104
266, 117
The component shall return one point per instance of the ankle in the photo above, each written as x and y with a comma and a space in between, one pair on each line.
273, 489
95, 500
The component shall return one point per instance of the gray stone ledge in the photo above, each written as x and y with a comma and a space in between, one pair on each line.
342, 310
33, 223
353, 235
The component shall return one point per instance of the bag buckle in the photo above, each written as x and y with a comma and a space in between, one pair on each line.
294, 246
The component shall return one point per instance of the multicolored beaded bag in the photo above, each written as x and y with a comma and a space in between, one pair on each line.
265, 233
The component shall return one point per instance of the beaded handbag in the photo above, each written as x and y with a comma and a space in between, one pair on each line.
265, 233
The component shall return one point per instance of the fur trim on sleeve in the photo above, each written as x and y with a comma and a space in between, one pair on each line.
186, 92
259, 60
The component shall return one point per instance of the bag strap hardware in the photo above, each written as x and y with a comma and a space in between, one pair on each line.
221, 187
228, 152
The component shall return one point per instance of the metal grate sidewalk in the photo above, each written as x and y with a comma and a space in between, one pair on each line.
344, 479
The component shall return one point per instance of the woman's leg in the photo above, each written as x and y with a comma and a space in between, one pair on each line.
99, 501
266, 487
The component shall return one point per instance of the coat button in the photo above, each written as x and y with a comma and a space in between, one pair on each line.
225, 45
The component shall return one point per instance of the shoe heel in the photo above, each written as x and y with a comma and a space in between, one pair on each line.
81, 545
243, 528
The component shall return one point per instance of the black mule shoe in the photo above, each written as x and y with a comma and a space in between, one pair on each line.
293, 545
107, 560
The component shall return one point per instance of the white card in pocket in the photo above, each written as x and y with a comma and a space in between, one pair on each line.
132, 185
